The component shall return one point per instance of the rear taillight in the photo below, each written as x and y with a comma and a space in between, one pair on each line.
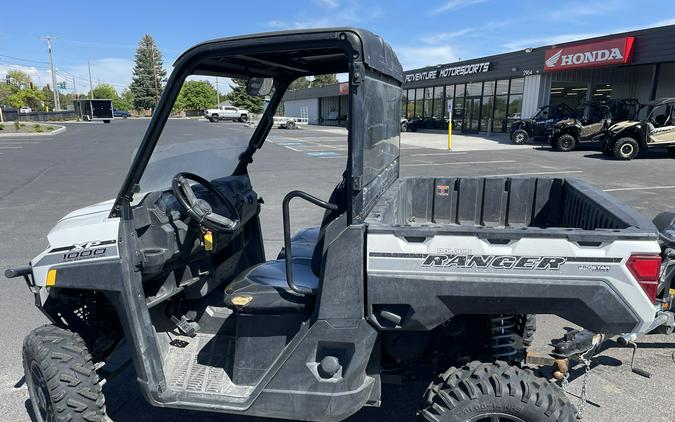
646, 270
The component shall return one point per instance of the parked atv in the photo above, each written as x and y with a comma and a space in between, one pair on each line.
417, 278
540, 126
655, 128
592, 123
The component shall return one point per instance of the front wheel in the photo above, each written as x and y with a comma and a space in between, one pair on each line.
520, 137
494, 392
291, 125
671, 151
626, 149
60, 376
404, 127
213, 119
565, 143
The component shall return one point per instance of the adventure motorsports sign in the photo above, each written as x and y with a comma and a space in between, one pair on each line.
602, 53
447, 72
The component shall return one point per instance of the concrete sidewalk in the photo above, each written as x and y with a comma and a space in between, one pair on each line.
460, 143
439, 140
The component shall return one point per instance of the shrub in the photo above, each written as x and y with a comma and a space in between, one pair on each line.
2, 127
17, 125
38, 129
49, 128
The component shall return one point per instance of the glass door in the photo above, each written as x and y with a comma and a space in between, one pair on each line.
471, 115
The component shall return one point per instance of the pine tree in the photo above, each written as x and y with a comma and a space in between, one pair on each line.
300, 83
149, 75
239, 98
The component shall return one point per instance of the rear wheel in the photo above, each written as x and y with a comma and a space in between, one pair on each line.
626, 149
494, 392
244, 118
60, 375
566, 143
520, 137
291, 125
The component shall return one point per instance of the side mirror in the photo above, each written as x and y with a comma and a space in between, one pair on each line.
259, 87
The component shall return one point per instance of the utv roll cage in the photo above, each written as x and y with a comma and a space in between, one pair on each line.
283, 56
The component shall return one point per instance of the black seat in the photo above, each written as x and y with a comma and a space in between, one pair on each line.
263, 288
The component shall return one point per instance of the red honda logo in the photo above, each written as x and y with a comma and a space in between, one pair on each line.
602, 53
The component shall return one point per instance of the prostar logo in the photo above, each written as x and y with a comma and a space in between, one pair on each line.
553, 60
601, 53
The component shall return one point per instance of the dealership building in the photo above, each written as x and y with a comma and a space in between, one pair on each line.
486, 94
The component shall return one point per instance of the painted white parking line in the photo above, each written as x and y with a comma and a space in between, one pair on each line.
536, 173
438, 153
10, 146
458, 162
640, 188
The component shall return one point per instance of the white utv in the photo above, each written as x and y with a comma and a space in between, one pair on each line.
433, 277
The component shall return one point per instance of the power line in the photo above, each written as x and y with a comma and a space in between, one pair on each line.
23, 60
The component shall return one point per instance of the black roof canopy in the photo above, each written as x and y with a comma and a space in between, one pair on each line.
290, 54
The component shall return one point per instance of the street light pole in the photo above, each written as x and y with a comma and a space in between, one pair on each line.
55, 91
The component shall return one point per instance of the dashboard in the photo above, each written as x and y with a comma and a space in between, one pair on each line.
173, 249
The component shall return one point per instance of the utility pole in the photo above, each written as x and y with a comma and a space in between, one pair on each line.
74, 87
217, 93
55, 90
91, 85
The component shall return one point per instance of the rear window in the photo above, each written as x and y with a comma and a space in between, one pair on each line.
382, 136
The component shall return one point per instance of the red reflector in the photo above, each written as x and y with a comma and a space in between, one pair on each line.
646, 270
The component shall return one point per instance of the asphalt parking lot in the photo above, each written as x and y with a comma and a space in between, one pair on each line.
43, 178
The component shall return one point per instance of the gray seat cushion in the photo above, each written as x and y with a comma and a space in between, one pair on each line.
302, 243
263, 288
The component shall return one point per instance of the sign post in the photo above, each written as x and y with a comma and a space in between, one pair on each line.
450, 125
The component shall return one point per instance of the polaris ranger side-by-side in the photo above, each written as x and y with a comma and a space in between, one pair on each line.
592, 122
415, 277
540, 126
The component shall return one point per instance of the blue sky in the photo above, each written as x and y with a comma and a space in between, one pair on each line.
422, 32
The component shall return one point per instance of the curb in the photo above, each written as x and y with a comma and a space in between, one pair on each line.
59, 129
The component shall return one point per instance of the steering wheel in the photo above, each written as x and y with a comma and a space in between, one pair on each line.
199, 209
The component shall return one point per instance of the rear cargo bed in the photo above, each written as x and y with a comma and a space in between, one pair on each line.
513, 206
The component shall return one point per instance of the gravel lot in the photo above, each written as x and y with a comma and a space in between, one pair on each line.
45, 177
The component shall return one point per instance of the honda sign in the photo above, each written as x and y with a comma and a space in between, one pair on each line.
601, 53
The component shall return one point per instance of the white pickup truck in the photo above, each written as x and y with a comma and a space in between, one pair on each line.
226, 113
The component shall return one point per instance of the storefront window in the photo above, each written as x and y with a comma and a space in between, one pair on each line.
474, 89
486, 113
419, 102
458, 109
410, 104
515, 106
439, 107
488, 88
517, 85
503, 87
428, 108
404, 102
499, 122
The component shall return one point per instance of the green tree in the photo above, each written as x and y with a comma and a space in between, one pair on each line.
19, 78
6, 91
27, 97
195, 95
124, 101
239, 98
149, 75
300, 83
323, 80
104, 92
